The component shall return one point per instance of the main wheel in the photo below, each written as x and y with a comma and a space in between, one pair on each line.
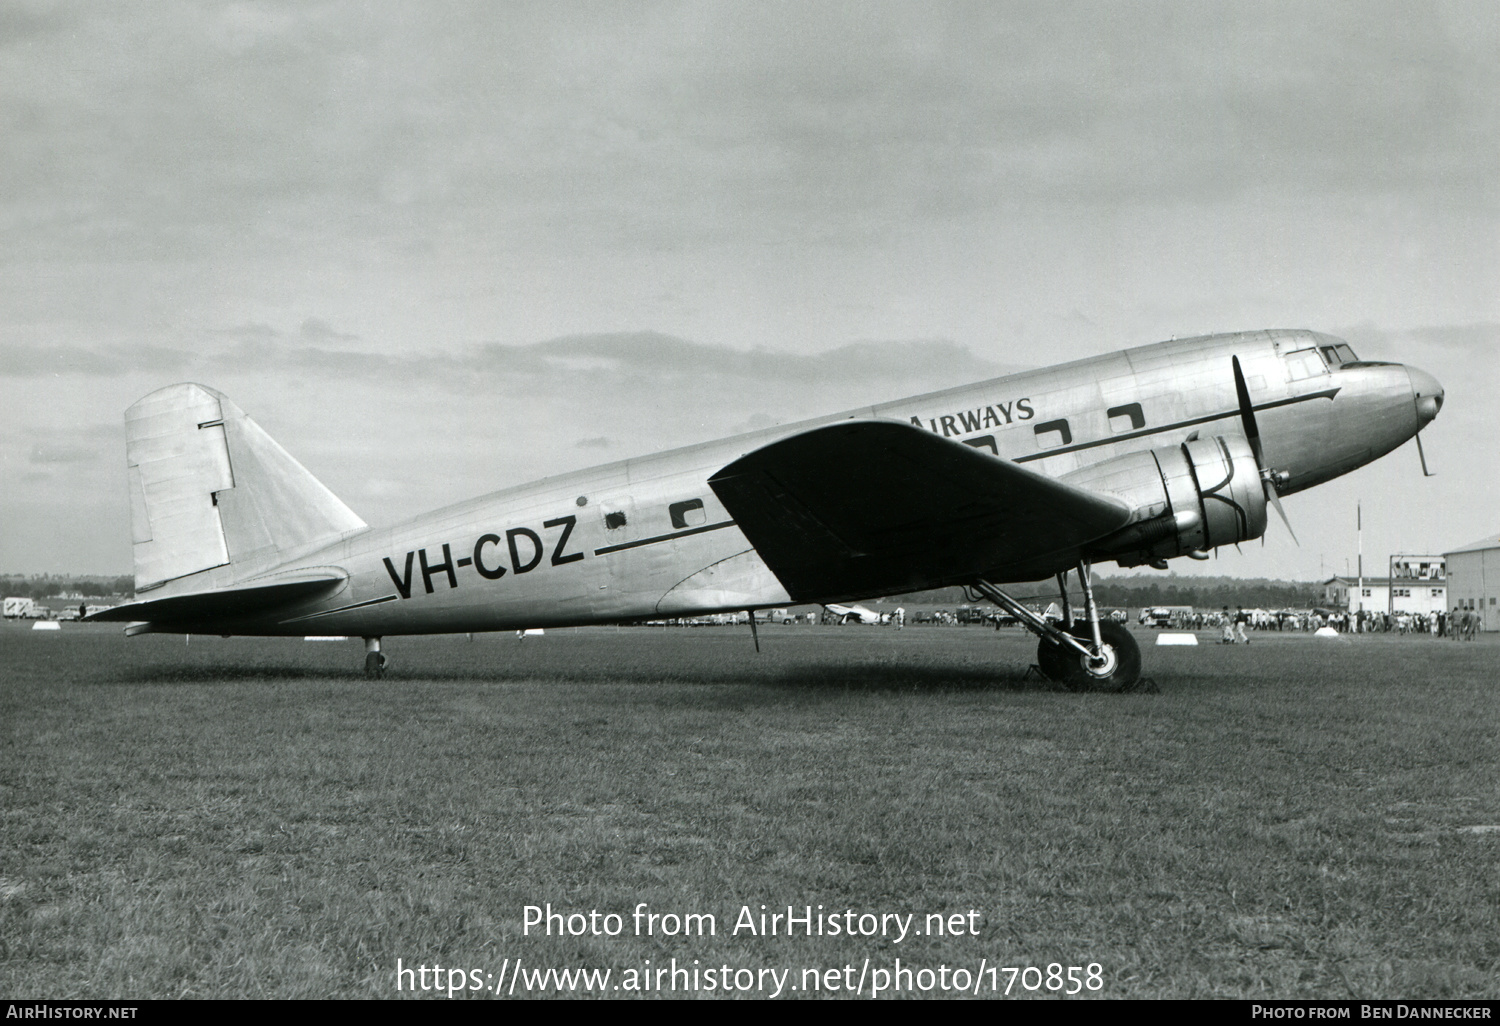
375, 665
1118, 667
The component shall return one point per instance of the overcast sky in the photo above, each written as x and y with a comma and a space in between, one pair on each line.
438, 249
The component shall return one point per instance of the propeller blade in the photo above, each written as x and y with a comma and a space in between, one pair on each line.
1247, 414
1276, 501
1423, 456
1252, 435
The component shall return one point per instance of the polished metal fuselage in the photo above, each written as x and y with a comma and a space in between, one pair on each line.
647, 538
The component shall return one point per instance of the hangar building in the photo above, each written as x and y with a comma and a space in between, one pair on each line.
1474, 579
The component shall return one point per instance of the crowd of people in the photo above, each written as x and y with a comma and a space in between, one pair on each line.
1458, 625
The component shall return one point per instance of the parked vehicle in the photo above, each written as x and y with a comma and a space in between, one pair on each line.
21, 609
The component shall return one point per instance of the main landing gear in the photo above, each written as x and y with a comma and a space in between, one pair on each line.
1084, 654
374, 659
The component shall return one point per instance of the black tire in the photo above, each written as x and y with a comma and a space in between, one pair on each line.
1053, 659
1119, 671
374, 665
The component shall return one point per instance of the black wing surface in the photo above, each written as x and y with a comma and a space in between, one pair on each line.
865, 508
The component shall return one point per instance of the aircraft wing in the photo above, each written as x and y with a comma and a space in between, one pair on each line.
248, 599
877, 507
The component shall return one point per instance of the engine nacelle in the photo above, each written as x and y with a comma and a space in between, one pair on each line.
1187, 498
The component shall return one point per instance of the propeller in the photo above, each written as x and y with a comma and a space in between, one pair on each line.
1252, 435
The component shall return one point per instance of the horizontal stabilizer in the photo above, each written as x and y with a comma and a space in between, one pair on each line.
249, 599
876, 507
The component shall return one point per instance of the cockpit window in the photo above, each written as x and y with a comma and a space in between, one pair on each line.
1338, 355
1305, 363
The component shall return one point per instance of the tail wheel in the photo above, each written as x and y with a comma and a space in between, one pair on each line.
374, 665
1117, 668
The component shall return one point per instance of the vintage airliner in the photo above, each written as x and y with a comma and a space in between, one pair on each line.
1139, 457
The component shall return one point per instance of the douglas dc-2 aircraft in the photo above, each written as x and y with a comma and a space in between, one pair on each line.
1142, 456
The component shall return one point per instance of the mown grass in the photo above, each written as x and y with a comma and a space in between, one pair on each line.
252, 818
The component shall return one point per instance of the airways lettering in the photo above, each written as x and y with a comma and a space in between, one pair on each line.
966, 422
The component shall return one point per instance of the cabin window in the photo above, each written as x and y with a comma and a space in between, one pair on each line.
1126, 418
1052, 434
614, 520
1305, 363
983, 442
688, 514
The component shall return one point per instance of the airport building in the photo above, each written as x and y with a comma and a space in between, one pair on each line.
1372, 594
1385, 595
1474, 579
1415, 584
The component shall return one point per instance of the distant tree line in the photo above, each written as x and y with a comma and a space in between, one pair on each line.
1168, 590
1212, 593
49, 586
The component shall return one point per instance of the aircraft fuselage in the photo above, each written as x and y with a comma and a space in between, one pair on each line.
648, 538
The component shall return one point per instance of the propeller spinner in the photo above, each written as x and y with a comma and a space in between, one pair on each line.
1252, 435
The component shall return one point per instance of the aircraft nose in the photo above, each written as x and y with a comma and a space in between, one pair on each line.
1427, 393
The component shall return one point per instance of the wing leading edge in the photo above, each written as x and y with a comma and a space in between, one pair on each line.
865, 508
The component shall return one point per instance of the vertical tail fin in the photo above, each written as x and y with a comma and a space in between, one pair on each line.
209, 488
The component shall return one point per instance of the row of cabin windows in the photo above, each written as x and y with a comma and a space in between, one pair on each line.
1304, 363
688, 513
1122, 419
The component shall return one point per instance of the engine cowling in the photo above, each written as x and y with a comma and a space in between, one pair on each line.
1187, 498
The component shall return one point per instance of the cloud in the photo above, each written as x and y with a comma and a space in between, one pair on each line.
315, 330
27, 361
43, 452
560, 365
174, 131
666, 358
252, 332
24, 21
213, 351
1472, 340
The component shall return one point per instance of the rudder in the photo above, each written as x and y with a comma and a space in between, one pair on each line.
209, 488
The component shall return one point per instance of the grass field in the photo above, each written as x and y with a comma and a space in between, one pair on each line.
252, 818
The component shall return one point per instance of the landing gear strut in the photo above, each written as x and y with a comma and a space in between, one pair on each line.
374, 659
1083, 654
